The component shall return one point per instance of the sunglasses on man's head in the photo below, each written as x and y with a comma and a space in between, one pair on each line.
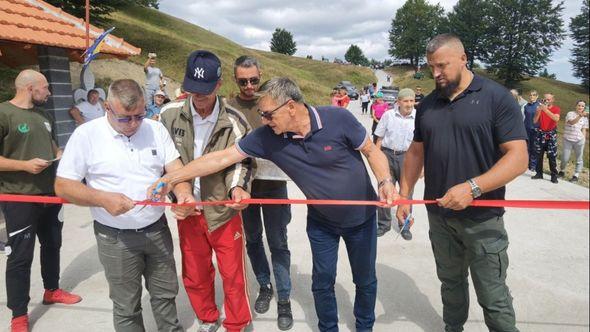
268, 114
251, 80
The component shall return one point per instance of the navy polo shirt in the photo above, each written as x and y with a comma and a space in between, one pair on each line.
325, 164
462, 140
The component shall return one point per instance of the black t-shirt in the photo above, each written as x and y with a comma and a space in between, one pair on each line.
462, 140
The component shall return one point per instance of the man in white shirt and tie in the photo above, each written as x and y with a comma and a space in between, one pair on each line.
394, 135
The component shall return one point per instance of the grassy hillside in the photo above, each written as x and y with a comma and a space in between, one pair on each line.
173, 39
566, 94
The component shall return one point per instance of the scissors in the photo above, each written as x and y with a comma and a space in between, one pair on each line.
406, 223
154, 192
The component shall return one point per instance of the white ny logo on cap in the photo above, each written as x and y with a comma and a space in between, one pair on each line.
199, 73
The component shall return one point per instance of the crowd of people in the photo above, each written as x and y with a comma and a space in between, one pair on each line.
204, 147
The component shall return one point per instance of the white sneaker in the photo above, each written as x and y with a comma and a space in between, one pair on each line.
208, 327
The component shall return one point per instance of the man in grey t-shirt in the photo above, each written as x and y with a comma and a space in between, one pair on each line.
153, 77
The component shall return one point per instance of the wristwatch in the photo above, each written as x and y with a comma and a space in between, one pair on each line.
475, 189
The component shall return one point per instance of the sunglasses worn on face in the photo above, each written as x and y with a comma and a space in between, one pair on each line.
268, 114
252, 80
128, 118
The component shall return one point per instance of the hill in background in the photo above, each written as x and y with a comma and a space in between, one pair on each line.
174, 39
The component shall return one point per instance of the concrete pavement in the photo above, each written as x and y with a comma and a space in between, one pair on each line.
548, 273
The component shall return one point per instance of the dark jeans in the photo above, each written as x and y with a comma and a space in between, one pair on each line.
23, 222
126, 256
361, 245
461, 246
546, 141
373, 127
365, 107
276, 218
532, 137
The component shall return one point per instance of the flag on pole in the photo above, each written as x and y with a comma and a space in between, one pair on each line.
93, 51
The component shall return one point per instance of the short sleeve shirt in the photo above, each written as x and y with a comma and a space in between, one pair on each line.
573, 133
462, 140
326, 164
529, 114
545, 122
396, 130
152, 75
89, 111
113, 162
26, 134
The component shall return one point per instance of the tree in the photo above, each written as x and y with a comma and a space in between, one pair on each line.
414, 24
523, 35
468, 20
282, 42
546, 74
99, 10
355, 55
579, 29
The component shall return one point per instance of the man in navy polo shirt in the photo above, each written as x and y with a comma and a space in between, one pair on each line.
320, 150
470, 137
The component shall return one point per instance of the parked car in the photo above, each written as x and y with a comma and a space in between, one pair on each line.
389, 96
350, 89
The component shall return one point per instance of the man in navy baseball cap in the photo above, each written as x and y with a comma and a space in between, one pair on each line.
203, 72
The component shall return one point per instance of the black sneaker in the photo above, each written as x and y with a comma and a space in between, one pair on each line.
554, 179
561, 174
285, 317
537, 176
574, 179
262, 303
406, 234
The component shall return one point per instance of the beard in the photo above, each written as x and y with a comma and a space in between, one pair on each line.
39, 102
448, 89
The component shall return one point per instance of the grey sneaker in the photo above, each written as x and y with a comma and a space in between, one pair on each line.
262, 303
208, 327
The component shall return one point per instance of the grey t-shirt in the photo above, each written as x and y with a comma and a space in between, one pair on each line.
152, 75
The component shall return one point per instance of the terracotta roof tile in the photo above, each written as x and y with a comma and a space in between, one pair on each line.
37, 22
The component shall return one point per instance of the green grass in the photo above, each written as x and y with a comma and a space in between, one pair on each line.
566, 94
173, 39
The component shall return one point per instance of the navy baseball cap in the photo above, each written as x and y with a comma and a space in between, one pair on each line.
203, 71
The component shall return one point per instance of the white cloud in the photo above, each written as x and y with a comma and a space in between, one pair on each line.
322, 28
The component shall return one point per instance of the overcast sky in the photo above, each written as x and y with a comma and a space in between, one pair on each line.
322, 28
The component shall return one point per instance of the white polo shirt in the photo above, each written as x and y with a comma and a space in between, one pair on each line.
116, 163
396, 130
89, 111
202, 129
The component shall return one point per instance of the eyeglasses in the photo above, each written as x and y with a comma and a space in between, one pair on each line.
268, 114
252, 80
128, 118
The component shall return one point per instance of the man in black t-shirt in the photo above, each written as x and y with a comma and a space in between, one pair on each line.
419, 95
27, 150
470, 137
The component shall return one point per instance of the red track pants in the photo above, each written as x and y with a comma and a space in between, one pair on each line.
198, 274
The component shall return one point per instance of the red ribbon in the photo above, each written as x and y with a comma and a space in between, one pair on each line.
527, 204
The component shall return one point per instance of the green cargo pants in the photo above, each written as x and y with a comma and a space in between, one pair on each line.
460, 245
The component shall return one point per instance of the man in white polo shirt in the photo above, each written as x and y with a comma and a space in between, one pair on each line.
119, 155
395, 132
88, 110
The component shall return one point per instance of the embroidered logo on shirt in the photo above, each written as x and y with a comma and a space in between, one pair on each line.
154, 152
48, 126
327, 148
23, 128
237, 235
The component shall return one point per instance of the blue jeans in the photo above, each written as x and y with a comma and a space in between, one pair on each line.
361, 245
276, 219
